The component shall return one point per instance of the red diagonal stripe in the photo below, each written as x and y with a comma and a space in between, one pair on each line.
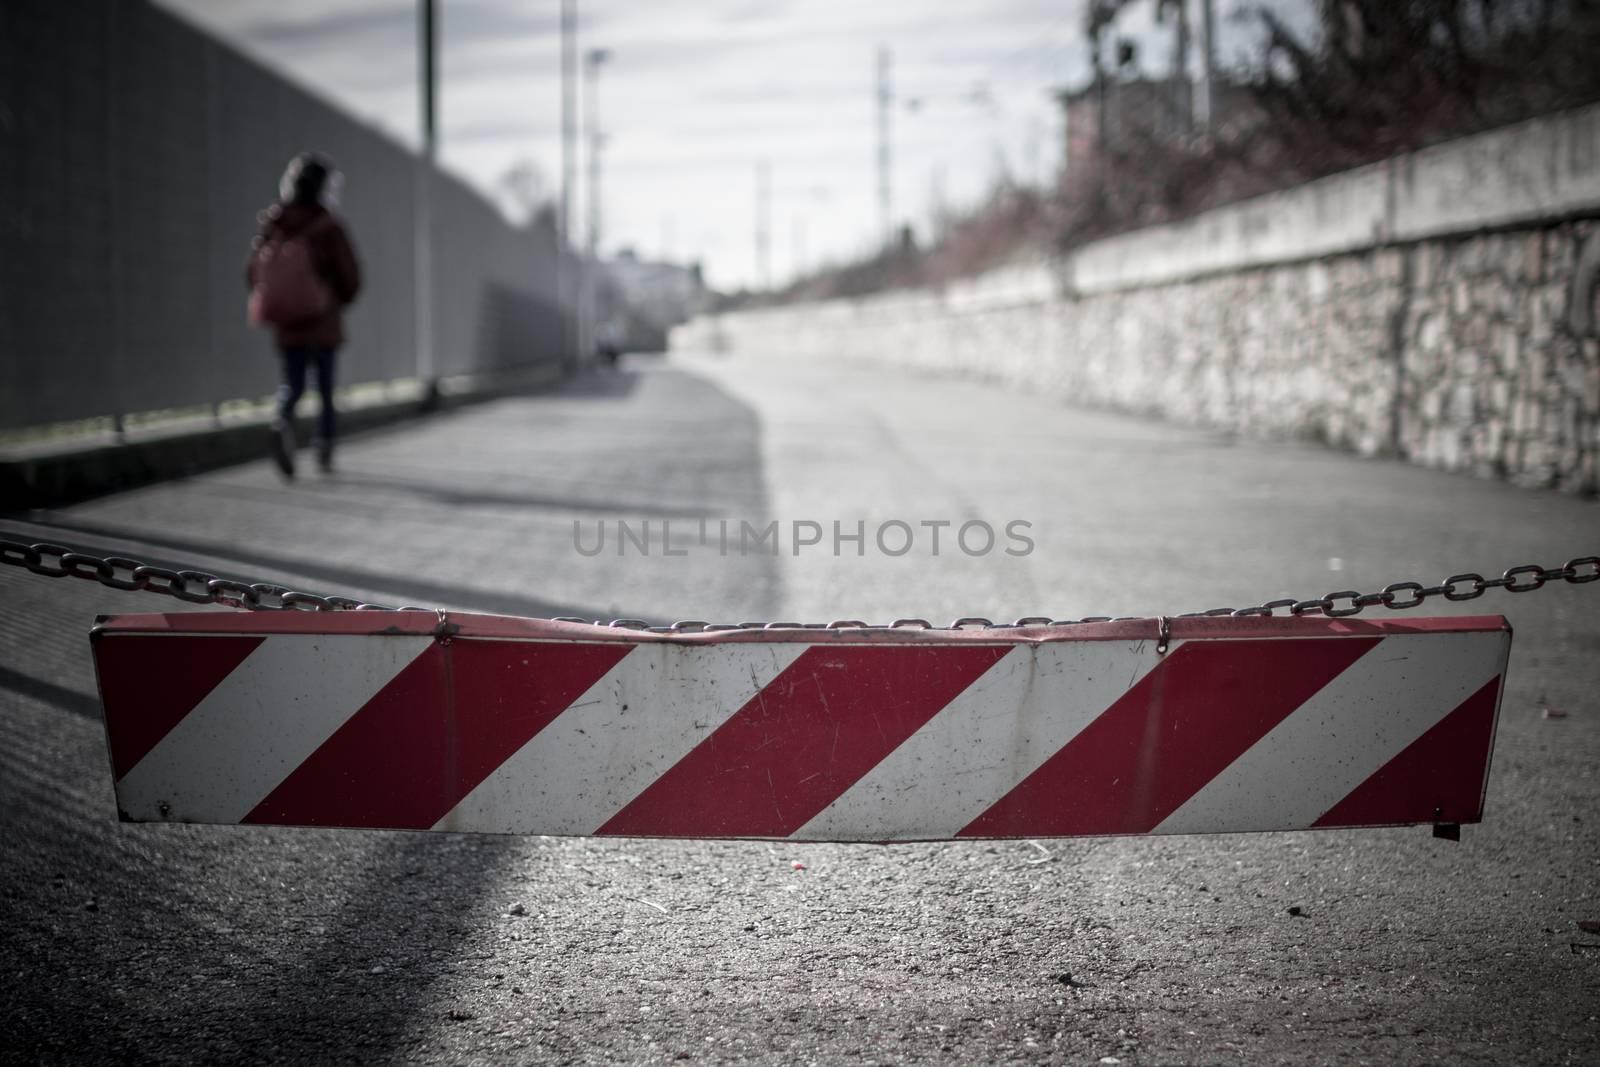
1443, 771
1169, 735
802, 741
410, 754
149, 683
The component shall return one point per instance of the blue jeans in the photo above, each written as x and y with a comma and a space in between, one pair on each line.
296, 359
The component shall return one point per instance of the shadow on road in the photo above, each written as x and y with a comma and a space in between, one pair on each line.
435, 493
56, 696
598, 384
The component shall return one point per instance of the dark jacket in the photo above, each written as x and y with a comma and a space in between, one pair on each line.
334, 258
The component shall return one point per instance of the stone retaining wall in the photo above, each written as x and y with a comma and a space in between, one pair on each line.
1455, 350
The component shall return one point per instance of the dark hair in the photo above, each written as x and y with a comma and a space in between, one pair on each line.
304, 178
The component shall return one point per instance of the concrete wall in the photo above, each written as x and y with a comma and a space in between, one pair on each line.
135, 153
1419, 307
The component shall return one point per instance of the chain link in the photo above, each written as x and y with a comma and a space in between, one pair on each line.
198, 587
193, 587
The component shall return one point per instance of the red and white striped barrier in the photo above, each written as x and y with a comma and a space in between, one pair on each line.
500, 725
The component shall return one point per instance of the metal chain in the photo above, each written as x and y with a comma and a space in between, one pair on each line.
193, 587
198, 587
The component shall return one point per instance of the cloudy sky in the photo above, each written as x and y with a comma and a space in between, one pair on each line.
698, 93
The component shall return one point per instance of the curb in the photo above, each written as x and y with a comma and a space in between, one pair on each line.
51, 479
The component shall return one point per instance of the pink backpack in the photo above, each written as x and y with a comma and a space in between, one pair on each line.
288, 290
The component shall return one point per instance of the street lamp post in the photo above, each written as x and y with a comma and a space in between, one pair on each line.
422, 207
567, 295
592, 61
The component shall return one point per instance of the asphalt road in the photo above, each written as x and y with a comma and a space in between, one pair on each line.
131, 943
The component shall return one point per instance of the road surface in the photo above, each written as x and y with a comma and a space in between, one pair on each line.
197, 943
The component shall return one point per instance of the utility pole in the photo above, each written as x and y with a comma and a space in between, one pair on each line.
1097, 64
1208, 58
1031, 153
1182, 102
764, 223
885, 109
593, 59
797, 269
566, 290
422, 207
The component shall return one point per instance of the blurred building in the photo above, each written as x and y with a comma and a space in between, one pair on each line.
1127, 116
649, 298
1100, 120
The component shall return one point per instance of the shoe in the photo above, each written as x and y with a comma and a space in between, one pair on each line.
282, 445
325, 459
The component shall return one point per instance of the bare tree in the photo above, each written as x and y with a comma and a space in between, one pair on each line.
1383, 77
